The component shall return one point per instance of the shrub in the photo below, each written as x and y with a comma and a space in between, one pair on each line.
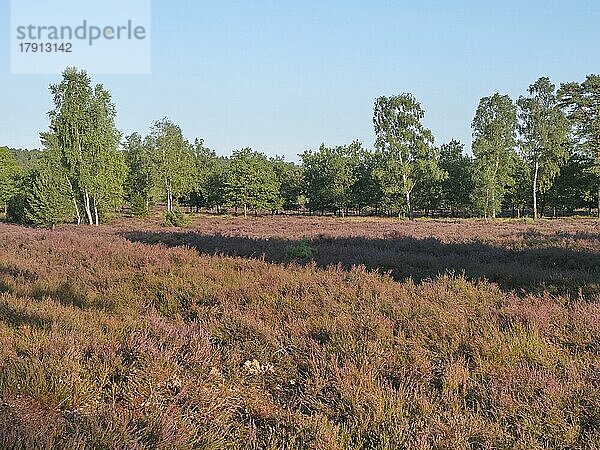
176, 219
300, 250
139, 206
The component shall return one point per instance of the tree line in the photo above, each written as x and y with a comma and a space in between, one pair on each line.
537, 153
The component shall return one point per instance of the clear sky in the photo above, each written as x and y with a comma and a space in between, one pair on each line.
283, 77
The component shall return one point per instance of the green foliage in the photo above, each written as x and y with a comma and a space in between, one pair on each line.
367, 189
43, 198
329, 174
251, 182
544, 132
47, 199
582, 103
82, 130
176, 218
300, 250
290, 178
139, 205
90, 176
25, 158
457, 187
173, 160
406, 147
16, 208
140, 182
518, 193
9, 176
575, 186
494, 140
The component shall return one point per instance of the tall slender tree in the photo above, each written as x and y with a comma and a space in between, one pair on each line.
494, 141
406, 146
544, 136
173, 159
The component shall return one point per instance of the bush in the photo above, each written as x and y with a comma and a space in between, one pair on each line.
139, 206
176, 219
300, 250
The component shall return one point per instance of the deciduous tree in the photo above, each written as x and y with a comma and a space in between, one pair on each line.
406, 146
173, 160
82, 128
251, 181
544, 136
494, 141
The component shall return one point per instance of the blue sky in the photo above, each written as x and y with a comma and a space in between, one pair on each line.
282, 77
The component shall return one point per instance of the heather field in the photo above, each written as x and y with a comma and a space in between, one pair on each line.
301, 333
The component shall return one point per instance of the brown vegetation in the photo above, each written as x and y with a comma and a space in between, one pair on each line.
301, 333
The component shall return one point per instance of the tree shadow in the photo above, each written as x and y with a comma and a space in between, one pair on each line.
555, 270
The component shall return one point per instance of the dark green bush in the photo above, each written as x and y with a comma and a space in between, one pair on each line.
176, 219
300, 250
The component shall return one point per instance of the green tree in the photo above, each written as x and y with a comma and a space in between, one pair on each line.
518, 192
544, 136
494, 141
9, 176
406, 146
328, 177
82, 128
428, 194
290, 178
216, 184
251, 182
25, 158
207, 165
367, 191
173, 160
575, 186
47, 193
582, 103
140, 183
457, 187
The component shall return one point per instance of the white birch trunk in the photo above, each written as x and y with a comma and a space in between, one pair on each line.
535, 181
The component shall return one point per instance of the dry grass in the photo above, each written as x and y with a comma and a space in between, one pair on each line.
136, 336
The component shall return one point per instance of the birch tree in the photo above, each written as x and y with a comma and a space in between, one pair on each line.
82, 127
494, 141
406, 146
544, 136
173, 159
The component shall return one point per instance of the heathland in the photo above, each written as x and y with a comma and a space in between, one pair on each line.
301, 333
